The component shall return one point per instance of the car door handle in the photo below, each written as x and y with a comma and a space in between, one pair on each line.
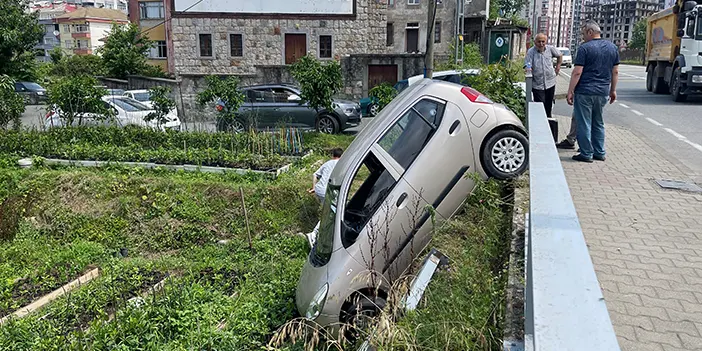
455, 125
401, 199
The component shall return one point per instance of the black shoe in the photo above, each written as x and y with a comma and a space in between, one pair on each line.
599, 158
581, 158
565, 144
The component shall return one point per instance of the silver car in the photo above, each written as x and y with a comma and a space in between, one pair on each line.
416, 153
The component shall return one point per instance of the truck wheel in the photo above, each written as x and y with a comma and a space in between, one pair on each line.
649, 78
676, 86
659, 86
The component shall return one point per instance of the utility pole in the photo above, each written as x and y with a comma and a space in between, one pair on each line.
429, 55
560, 18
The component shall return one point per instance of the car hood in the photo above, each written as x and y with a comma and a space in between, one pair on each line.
345, 102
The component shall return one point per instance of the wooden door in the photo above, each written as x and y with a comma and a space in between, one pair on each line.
295, 47
378, 74
412, 40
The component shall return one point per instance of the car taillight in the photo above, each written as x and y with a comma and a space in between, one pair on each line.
220, 107
475, 96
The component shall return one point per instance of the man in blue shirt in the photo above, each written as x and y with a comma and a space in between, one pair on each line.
594, 78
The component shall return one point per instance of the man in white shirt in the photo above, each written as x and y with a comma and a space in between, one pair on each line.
320, 179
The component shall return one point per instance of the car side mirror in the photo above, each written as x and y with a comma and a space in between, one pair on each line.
681, 33
294, 97
689, 5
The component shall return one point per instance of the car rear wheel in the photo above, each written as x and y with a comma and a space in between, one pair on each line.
235, 126
506, 154
327, 124
373, 110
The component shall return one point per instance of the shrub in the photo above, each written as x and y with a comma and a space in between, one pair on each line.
226, 93
11, 103
384, 93
318, 82
496, 81
162, 104
77, 95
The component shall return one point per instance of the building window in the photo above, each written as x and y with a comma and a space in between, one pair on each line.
236, 45
151, 10
391, 3
81, 28
68, 44
412, 2
626, 35
159, 50
205, 45
390, 35
67, 28
82, 44
325, 46
437, 32
56, 27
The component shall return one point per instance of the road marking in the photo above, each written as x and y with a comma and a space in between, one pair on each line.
654, 121
624, 106
637, 113
631, 75
675, 134
695, 145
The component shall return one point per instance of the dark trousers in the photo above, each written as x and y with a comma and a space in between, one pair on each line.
545, 96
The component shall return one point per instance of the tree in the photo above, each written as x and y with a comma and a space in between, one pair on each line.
227, 95
56, 54
72, 65
124, 52
511, 8
162, 104
638, 37
74, 96
318, 82
19, 33
11, 103
472, 58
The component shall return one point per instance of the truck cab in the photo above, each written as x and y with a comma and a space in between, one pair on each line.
674, 51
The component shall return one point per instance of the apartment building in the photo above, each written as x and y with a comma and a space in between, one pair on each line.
150, 15
81, 30
617, 17
575, 35
46, 13
120, 5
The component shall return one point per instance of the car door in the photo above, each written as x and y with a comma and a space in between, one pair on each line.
429, 144
301, 114
267, 109
377, 214
248, 110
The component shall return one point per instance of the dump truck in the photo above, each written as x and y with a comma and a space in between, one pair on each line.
674, 50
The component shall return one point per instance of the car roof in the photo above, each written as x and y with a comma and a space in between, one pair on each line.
259, 86
384, 120
469, 71
135, 91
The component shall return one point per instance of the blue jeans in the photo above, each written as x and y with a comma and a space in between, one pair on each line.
590, 125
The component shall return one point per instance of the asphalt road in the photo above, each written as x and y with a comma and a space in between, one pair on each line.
673, 128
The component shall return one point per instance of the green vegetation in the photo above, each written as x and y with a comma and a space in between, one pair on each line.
319, 82
496, 81
162, 104
254, 150
124, 51
20, 31
383, 94
11, 103
76, 95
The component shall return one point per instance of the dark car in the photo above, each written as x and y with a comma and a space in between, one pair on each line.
32, 93
274, 105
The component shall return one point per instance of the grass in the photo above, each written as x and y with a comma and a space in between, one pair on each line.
140, 227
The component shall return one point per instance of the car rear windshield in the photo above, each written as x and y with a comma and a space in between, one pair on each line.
129, 105
142, 96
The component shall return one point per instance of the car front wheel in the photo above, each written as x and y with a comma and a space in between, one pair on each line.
327, 124
506, 154
373, 110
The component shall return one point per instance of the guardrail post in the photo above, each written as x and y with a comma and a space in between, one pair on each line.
529, 98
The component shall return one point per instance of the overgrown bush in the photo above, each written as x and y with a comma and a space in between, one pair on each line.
497, 81
162, 104
11, 103
319, 82
75, 96
226, 93
472, 58
383, 93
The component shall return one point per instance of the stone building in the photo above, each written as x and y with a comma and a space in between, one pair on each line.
227, 37
407, 23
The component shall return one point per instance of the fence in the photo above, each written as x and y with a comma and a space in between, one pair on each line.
564, 305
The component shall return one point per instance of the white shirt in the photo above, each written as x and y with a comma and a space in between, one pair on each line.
322, 175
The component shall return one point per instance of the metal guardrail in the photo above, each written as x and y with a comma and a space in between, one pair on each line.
564, 305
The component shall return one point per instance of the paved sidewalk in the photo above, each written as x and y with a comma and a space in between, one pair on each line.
645, 242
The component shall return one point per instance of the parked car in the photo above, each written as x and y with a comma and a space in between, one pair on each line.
271, 105
415, 153
369, 105
32, 93
567, 57
142, 95
110, 91
127, 111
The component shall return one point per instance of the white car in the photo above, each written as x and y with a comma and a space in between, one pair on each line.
453, 76
567, 57
141, 95
127, 111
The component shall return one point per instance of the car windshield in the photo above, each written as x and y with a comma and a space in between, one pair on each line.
323, 247
142, 96
699, 27
565, 52
33, 86
129, 105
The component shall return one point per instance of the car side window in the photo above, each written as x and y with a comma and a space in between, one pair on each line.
19, 87
267, 96
408, 136
369, 188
